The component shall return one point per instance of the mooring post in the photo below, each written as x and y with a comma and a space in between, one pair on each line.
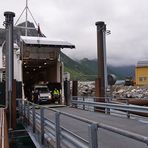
102, 68
9, 61
101, 52
75, 91
67, 92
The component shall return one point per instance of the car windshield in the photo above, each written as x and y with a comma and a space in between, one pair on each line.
42, 89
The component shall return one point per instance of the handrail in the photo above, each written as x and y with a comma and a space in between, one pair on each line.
132, 135
59, 132
123, 107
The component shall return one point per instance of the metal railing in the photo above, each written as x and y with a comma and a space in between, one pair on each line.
50, 131
80, 102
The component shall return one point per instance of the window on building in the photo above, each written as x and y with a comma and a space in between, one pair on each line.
142, 79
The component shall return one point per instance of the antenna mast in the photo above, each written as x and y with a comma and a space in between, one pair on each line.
26, 8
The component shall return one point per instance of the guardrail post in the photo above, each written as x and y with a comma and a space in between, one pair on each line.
33, 118
42, 124
94, 100
28, 114
128, 113
57, 129
20, 107
107, 109
24, 103
83, 104
93, 135
75, 98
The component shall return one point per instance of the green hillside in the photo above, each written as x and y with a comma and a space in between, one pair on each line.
77, 70
86, 69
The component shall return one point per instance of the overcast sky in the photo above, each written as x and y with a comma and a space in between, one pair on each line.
74, 21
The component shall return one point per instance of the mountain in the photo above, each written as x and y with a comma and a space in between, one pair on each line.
86, 69
76, 69
18, 31
90, 64
123, 71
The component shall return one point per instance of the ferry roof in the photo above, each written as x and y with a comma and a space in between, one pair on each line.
43, 41
142, 64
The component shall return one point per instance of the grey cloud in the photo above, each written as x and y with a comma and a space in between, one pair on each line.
74, 21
